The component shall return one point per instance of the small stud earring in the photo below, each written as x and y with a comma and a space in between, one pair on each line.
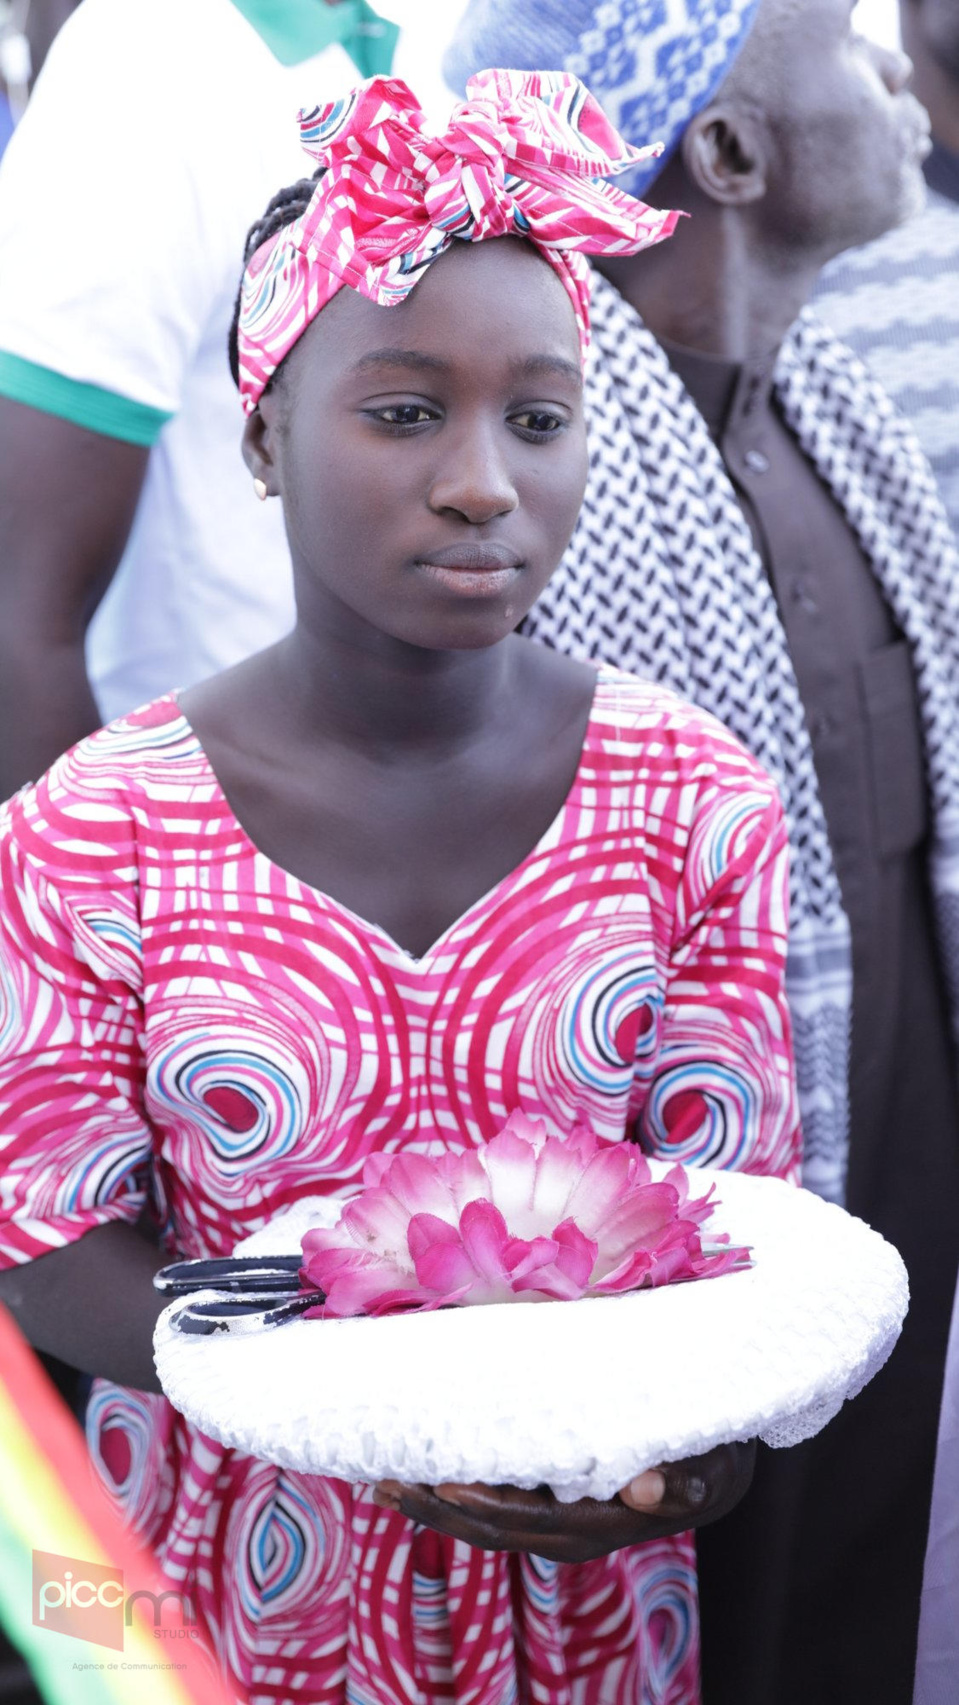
259, 486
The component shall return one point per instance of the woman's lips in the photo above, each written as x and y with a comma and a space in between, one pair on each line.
473, 570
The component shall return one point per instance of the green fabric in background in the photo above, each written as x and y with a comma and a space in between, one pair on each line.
295, 30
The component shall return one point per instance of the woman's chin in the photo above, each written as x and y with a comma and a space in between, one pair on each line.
472, 629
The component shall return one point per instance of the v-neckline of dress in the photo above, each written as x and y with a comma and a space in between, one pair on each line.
366, 926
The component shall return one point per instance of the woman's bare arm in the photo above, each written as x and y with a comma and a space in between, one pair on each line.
92, 1304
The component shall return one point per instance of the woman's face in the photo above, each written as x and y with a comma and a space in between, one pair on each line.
431, 457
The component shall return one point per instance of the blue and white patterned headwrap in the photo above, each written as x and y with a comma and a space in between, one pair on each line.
652, 64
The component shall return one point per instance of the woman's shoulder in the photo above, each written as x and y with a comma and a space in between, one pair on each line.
698, 798
669, 736
83, 815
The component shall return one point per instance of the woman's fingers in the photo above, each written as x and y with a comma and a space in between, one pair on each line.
507, 1505
492, 1523
387, 1494
660, 1502
646, 1492
697, 1490
504, 1518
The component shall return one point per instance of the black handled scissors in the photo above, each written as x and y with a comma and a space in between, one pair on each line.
259, 1292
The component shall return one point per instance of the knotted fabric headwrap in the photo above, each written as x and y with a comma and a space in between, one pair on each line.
522, 156
651, 64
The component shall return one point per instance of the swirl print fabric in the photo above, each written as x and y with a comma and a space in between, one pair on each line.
180, 1017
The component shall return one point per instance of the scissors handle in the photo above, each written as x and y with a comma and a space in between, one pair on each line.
262, 1274
243, 1315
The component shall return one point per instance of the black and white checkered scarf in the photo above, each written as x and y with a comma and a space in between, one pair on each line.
662, 578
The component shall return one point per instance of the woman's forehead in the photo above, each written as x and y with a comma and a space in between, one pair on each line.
499, 300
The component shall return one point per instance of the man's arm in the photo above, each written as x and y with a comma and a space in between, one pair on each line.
67, 501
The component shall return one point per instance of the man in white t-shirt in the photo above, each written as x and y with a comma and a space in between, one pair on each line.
133, 553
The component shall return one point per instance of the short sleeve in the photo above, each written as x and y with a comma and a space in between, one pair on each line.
75, 1145
109, 261
717, 1088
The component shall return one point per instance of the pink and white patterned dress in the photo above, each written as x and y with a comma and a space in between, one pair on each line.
180, 1015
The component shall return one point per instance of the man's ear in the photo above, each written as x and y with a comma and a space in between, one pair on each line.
259, 444
724, 151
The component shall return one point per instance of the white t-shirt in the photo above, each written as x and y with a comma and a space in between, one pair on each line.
158, 132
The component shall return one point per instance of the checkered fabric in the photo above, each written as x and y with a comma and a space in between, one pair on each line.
652, 64
662, 578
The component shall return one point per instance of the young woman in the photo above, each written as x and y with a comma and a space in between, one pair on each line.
375, 889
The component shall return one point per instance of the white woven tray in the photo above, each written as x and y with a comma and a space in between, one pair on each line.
580, 1396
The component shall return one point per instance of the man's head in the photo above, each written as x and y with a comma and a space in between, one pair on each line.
814, 131
805, 129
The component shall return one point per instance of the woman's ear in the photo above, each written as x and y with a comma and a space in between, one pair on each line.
259, 445
724, 153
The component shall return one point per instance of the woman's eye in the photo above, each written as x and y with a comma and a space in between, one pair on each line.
539, 421
404, 414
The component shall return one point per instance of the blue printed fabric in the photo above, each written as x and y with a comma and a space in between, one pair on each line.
653, 64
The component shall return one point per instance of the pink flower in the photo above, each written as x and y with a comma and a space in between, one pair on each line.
530, 1217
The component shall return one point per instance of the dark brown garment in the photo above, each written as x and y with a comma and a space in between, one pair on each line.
810, 1591
942, 171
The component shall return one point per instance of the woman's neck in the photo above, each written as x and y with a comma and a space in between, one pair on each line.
362, 688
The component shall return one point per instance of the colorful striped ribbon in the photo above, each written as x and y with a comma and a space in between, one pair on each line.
50, 1501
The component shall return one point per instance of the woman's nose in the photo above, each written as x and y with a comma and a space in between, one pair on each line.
474, 481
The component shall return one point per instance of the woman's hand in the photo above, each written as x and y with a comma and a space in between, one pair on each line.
662, 1501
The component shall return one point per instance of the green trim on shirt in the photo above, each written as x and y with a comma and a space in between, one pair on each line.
85, 405
295, 30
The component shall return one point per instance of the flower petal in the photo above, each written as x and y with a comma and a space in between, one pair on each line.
509, 1163
415, 1301
554, 1267
637, 1222
558, 1170
355, 1289
547, 1284
441, 1262
419, 1186
576, 1253
328, 1252
531, 1131
425, 1230
320, 1238
525, 1258
630, 1273
600, 1189
485, 1237
375, 1168
375, 1219
462, 1173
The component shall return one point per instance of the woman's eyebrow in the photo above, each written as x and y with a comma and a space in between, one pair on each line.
411, 358
416, 360
550, 365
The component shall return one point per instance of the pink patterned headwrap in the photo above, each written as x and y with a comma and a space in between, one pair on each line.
521, 157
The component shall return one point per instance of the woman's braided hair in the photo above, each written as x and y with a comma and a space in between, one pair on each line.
287, 205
